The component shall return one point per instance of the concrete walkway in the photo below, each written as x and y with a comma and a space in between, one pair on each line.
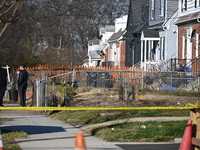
45, 133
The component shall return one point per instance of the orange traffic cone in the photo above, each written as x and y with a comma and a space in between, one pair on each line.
187, 137
80, 142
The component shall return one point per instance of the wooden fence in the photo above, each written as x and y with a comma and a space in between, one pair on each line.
70, 67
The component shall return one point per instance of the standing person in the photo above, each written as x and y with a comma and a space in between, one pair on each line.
3, 83
22, 84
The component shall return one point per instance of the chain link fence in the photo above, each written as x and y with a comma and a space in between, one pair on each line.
53, 88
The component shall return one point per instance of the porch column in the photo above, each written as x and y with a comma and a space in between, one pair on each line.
145, 53
141, 51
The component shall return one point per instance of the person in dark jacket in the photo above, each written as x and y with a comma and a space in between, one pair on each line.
22, 84
3, 83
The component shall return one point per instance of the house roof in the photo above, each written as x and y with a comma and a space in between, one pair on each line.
97, 53
116, 36
157, 26
150, 33
94, 55
187, 18
101, 47
147, 32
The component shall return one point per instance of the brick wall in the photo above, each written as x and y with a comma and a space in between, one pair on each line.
182, 30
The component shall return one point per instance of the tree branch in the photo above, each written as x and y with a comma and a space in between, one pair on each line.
12, 16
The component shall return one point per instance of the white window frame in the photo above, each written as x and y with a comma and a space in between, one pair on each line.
162, 8
183, 5
197, 3
183, 47
152, 10
197, 44
189, 44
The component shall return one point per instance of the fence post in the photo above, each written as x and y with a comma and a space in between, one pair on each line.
133, 92
73, 77
125, 90
121, 93
37, 92
46, 89
136, 92
142, 79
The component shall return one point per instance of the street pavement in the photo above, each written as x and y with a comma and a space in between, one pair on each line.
45, 133
152, 146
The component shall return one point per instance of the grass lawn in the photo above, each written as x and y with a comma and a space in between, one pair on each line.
9, 137
141, 131
97, 116
128, 132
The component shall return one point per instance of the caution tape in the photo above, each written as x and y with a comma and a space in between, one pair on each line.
94, 108
188, 106
197, 106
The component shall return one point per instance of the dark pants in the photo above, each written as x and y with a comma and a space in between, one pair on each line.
22, 94
2, 93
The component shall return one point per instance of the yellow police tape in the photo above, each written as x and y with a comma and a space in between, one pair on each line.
188, 106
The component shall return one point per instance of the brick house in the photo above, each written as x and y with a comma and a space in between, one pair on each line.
115, 53
188, 34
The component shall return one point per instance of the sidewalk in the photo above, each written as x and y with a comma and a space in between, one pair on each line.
45, 133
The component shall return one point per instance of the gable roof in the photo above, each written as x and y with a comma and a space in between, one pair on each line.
188, 18
97, 54
147, 32
117, 35
150, 33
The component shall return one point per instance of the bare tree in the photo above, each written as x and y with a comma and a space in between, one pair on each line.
8, 10
49, 28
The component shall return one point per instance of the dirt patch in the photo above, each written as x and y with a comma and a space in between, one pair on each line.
106, 98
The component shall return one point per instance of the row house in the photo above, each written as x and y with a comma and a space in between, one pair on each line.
97, 47
141, 42
162, 17
109, 50
115, 53
188, 34
133, 52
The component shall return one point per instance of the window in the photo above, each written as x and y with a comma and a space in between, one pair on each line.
183, 47
183, 5
162, 8
152, 9
197, 44
197, 3
162, 48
